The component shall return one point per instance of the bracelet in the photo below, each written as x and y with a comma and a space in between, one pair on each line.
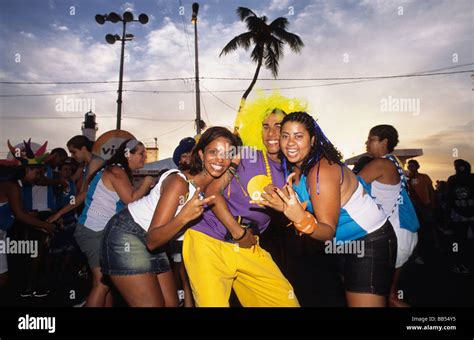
307, 225
241, 237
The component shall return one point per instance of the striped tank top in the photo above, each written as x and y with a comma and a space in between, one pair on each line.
100, 205
357, 218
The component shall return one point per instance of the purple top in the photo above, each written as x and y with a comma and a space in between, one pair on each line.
242, 188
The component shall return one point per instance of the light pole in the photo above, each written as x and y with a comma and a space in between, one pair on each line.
111, 39
196, 65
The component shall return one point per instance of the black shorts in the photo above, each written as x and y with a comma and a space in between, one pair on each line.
373, 272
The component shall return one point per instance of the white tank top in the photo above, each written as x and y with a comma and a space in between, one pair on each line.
142, 210
100, 205
386, 196
359, 216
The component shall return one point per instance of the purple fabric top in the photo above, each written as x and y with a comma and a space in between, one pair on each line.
239, 193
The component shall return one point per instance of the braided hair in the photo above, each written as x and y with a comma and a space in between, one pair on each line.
322, 147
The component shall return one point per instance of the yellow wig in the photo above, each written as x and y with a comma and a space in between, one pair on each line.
248, 123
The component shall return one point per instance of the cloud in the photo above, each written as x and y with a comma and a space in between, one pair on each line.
58, 27
128, 7
28, 35
377, 40
278, 5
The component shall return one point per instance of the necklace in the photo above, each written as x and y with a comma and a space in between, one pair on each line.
201, 194
267, 167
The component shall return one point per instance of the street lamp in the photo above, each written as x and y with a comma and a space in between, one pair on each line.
112, 38
198, 92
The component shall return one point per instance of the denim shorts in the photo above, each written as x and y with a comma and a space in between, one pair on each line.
373, 272
124, 250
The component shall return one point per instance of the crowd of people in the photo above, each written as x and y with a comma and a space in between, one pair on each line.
224, 228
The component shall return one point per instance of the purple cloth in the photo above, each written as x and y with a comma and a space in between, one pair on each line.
237, 198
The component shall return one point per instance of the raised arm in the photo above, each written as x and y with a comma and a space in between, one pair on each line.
164, 224
119, 180
78, 200
81, 193
222, 212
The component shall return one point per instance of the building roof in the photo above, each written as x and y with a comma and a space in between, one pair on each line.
402, 154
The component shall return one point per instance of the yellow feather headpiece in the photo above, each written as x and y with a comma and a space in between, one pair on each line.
248, 123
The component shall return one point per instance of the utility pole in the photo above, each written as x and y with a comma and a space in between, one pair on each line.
198, 92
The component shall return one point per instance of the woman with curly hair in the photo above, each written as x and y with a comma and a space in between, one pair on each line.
336, 206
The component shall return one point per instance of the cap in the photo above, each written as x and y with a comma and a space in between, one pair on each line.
185, 145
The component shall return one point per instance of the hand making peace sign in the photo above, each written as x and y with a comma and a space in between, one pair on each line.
194, 208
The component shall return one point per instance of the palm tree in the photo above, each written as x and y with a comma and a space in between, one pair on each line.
268, 40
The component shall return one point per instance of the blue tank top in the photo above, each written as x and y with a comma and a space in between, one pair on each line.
357, 218
6, 216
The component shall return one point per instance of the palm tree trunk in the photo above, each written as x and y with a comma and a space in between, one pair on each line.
254, 80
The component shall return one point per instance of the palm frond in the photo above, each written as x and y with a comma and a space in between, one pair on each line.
255, 24
293, 40
271, 61
244, 12
277, 46
280, 22
243, 40
257, 53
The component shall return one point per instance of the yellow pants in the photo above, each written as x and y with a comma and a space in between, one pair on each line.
215, 267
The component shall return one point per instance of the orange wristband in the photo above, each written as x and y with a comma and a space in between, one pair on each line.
307, 225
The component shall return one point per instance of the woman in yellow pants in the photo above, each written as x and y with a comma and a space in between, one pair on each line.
221, 251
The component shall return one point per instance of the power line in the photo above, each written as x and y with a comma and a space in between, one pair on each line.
219, 99
431, 72
186, 35
178, 128
311, 86
52, 94
159, 119
205, 110
241, 90
99, 117
46, 117
90, 82
348, 78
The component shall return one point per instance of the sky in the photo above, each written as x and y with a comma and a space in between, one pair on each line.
59, 41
